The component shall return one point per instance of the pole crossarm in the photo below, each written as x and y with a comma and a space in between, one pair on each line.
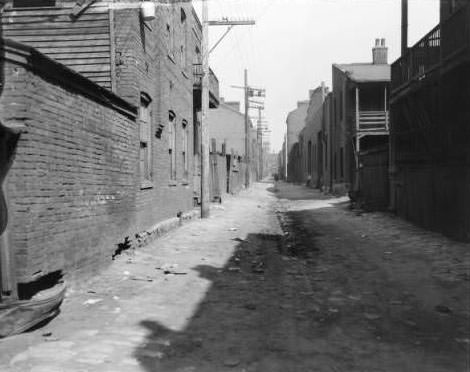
228, 22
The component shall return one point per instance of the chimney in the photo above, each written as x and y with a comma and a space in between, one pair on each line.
380, 52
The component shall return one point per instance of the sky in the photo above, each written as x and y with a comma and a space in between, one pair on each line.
294, 43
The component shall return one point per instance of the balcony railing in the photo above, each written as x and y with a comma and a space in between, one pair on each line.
420, 59
456, 33
213, 81
373, 122
439, 48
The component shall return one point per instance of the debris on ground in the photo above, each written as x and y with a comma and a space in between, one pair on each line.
92, 301
234, 269
142, 279
171, 269
233, 229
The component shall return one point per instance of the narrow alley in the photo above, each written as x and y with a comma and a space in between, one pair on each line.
280, 278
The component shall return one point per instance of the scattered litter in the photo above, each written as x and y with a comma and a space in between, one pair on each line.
239, 240
231, 362
47, 334
443, 309
233, 229
127, 273
92, 301
91, 291
363, 236
234, 269
370, 316
463, 340
171, 269
333, 310
141, 279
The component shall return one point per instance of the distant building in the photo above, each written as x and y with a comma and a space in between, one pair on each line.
312, 141
295, 123
360, 115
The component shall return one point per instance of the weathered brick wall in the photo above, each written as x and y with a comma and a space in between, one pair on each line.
147, 63
72, 185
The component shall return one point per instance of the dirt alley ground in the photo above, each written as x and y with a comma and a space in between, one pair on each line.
281, 278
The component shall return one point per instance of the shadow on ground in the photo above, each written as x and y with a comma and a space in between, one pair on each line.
231, 325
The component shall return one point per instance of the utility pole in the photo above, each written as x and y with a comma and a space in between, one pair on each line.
247, 135
205, 165
260, 143
205, 161
404, 27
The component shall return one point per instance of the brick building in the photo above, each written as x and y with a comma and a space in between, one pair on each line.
108, 105
311, 139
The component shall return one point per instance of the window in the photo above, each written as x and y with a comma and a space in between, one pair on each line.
172, 144
33, 3
182, 56
185, 151
145, 124
170, 40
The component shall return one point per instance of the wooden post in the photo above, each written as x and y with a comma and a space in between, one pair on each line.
404, 27
205, 164
247, 135
358, 118
385, 108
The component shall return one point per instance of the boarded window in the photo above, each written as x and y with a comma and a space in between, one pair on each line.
145, 123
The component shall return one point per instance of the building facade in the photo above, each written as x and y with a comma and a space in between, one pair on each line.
295, 123
108, 109
430, 137
360, 116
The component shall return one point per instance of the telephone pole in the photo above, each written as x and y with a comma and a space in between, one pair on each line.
205, 161
247, 135
260, 144
205, 165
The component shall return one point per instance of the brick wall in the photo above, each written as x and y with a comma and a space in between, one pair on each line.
147, 62
72, 185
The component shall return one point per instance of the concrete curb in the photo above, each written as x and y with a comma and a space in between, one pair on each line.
164, 227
